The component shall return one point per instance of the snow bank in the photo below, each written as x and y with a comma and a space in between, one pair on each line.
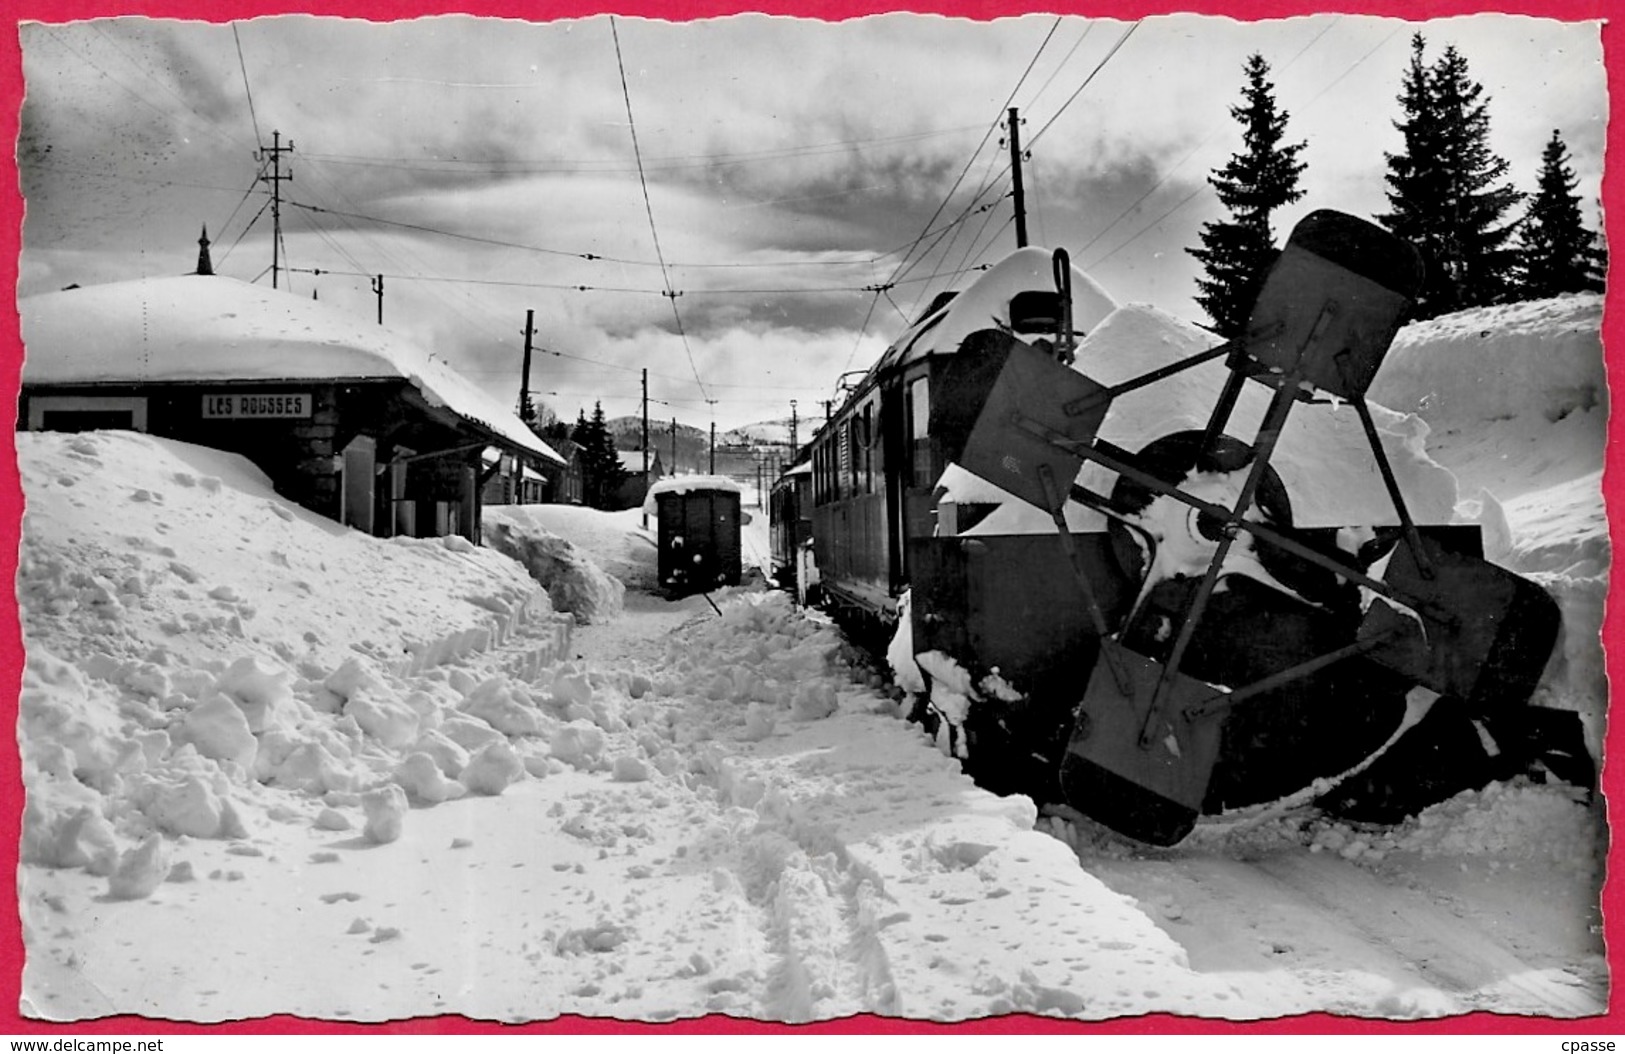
617, 542
1515, 396
1323, 456
194, 644
573, 582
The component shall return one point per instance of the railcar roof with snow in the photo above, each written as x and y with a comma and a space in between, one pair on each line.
692, 484
985, 303
213, 328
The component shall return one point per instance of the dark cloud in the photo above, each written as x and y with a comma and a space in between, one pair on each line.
202, 93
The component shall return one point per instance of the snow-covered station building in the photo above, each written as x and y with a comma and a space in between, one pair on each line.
347, 418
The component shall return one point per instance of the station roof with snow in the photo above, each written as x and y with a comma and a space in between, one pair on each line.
213, 328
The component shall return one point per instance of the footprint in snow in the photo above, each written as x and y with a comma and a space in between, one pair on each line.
334, 898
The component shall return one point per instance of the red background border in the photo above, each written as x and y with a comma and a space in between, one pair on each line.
11, 653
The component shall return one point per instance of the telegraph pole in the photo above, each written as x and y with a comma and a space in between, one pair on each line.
794, 446
276, 150
524, 376
1019, 199
645, 422
712, 403
378, 288
674, 446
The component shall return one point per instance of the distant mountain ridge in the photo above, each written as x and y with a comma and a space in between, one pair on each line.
739, 450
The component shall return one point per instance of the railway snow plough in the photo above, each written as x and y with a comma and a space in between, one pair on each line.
1180, 641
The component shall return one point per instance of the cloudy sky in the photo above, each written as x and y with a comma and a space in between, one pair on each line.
789, 170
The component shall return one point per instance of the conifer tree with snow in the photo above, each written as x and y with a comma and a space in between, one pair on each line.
1446, 186
1556, 253
601, 471
1252, 185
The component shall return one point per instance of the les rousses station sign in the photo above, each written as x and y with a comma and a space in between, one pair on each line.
257, 405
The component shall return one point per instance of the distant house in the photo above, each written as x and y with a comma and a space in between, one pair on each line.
630, 495
509, 479
564, 483
347, 418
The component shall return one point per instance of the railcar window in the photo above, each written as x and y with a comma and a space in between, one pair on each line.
843, 470
919, 408
855, 462
919, 419
869, 449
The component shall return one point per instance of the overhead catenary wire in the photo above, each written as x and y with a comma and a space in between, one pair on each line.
1204, 186
246, 228
248, 91
1061, 65
648, 206
138, 96
1176, 166
901, 269
572, 287
1110, 54
905, 265
503, 243
611, 167
146, 72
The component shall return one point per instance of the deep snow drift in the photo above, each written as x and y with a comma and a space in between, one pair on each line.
273, 765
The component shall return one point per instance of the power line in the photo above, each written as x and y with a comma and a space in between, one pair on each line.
1187, 199
250, 226
1166, 176
142, 68
588, 256
1042, 88
571, 287
900, 270
605, 166
246, 89
166, 115
648, 206
1092, 73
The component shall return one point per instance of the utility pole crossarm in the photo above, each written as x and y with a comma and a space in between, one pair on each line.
276, 179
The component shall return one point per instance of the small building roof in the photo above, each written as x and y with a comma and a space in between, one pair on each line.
212, 328
632, 460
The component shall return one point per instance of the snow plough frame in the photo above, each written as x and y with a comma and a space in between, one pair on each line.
1150, 727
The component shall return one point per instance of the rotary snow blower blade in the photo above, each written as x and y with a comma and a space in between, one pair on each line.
1145, 782
1142, 754
1462, 626
985, 435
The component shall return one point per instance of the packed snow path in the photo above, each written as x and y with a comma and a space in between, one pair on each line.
730, 843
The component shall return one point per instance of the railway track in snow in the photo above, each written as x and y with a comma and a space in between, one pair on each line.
1449, 934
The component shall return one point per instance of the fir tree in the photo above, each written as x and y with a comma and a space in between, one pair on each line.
1252, 185
601, 471
1445, 187
1556, 253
